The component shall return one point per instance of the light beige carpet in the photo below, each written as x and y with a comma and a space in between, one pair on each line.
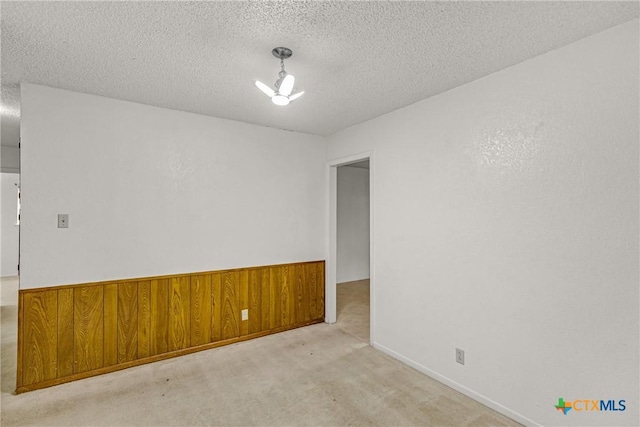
352, 308
321, 375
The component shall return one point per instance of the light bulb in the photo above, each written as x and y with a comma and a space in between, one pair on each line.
264, 88
280, 100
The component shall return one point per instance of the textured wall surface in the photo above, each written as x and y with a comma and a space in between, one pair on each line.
151, 191
506, 224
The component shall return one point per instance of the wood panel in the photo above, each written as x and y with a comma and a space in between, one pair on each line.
144, 318
266, 299
179, 308
127, 322
275, 286
88, 322
301, 294
243, 300
230, 303
287, 302
255, 300
311, 277
76, 331
20, 343
320, 290
65, 332
159, 329
216, 307
293, 298
110, 324
40, 336
201, 309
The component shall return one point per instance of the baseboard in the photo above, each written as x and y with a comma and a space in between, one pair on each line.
458, 387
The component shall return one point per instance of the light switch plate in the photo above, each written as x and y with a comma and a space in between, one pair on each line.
63, 220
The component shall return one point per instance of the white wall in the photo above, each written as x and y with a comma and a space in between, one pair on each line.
151, 191
353, 224
506, 224
10, 233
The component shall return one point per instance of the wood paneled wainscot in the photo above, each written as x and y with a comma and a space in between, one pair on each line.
70, 332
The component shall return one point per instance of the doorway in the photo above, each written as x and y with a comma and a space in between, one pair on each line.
352, 262
350, 281
10, 224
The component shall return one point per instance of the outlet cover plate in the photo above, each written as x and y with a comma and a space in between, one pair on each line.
63, 220
460, 356
245, 314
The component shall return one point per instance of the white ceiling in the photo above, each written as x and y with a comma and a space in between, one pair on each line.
354, 60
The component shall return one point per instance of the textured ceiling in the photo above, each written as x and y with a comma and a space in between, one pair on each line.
354, 60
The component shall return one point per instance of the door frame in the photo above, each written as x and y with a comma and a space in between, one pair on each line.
332, 237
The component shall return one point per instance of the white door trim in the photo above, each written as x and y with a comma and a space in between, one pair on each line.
331, 240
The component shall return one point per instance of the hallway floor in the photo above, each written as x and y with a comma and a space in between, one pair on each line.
353, 308
320, 375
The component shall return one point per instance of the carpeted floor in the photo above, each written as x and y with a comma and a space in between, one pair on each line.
353, 308
321, 375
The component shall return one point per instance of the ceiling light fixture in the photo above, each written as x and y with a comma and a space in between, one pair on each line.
284, 85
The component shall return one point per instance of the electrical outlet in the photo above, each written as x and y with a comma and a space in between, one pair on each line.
245, 314
63, 220
460, 356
